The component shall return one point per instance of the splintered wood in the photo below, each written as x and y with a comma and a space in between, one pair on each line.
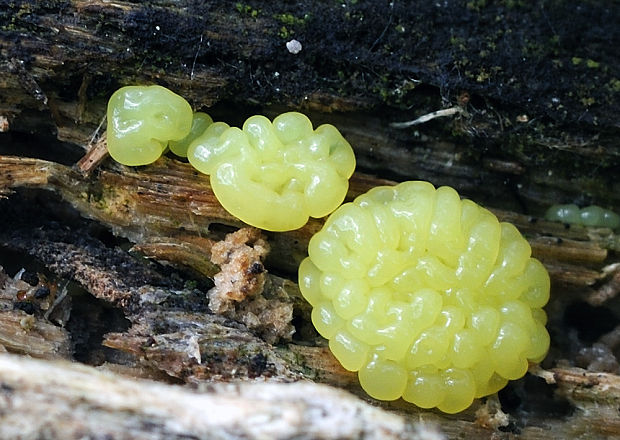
68, 401
24, 324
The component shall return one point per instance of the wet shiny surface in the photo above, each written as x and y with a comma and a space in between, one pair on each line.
427, 296
274, 175
141, 122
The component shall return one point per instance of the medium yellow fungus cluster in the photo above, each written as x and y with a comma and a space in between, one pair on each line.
427, 296
272, 175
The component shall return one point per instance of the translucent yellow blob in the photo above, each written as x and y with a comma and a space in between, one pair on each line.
141, 122
274, 175
200, 123
429, 297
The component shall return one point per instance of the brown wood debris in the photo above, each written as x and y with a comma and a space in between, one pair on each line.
24, 324
82, 397
242, 276
171, 199
610, 288
239, 292
187, 251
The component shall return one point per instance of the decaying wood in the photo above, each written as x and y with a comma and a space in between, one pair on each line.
29, 330
185, 250
610, 289
519, 133
83, 398
528, 99
21, 333
171, 199
242, 274
172, 329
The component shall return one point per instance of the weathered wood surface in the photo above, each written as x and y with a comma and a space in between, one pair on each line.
537, 90
172, 330
69, 401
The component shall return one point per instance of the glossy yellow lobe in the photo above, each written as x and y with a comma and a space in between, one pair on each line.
141, 122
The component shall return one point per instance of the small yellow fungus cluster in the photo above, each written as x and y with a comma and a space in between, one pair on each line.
427, 296
594, 216
272, 175
141, 122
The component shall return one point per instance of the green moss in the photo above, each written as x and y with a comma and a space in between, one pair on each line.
614, 85
284, 32
514, 4
483, 76
587, 101
247, 10
458, 43
291, 20
476, 5
22, 15
290, 23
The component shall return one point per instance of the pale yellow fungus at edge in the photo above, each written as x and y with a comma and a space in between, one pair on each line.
593, 216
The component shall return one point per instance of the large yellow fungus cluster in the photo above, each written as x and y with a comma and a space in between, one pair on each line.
427, 296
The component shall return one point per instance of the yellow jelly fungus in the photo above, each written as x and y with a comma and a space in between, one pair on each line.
274, 175
200, 123
141, 122
427, 296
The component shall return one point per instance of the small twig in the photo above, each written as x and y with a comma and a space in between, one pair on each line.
96, 132
608, 290
428, 117
62, 293
4, 124
94, 156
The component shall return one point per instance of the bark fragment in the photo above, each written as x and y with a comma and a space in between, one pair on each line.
74, 401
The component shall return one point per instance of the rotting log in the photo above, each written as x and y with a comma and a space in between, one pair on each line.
172, 330
515, 105
170, 198
536, 90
